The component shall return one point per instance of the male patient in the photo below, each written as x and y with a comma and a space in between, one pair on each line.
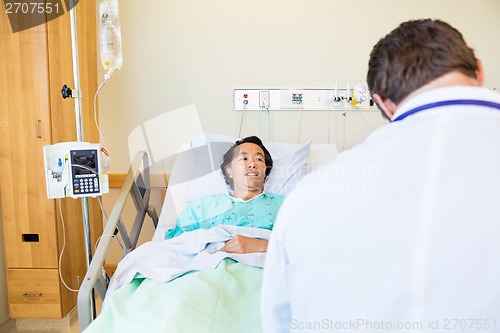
402, 232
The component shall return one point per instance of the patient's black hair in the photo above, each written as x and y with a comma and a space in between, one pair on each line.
229, 155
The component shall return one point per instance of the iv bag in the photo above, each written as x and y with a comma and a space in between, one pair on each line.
111, 40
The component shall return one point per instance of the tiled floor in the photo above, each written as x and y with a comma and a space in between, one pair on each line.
69, 324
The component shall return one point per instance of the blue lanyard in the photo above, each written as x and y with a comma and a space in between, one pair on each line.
446, 103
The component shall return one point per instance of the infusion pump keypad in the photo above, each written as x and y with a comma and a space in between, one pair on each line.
86, 184
84, 170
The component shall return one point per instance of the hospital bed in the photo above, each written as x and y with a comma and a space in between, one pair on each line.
221, 294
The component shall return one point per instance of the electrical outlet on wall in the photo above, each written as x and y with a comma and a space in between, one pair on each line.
264, 98
292, 99
246, 99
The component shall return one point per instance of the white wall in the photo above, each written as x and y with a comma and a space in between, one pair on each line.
185, 52
177, 53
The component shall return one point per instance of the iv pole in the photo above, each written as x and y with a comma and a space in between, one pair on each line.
76, 94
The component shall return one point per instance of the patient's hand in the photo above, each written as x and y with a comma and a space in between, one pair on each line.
242, 244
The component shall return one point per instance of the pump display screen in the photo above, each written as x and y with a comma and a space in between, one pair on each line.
84, 164
84, 170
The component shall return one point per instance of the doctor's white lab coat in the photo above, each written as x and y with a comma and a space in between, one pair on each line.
400, 233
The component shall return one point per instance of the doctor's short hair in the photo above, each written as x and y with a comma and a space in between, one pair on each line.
229, 156
414, 54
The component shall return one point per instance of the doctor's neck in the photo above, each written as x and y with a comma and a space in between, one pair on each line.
447, 80
451, 79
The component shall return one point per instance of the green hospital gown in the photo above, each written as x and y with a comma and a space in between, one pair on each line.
215, 209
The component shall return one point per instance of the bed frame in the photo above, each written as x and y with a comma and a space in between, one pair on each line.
137, 185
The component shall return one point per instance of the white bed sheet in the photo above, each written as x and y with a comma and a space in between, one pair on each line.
197, 250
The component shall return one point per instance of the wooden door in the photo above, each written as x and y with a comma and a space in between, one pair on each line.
25, 127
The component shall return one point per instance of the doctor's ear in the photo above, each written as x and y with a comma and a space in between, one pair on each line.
480, 72
387, 106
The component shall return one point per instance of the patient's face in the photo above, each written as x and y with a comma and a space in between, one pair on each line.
248, 168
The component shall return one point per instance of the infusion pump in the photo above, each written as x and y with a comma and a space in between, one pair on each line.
75, 169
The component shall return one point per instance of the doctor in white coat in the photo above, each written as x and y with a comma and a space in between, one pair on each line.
402, 232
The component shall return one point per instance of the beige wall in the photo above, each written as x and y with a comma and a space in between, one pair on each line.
177, 53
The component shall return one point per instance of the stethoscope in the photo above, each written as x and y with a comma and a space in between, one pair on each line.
447, 103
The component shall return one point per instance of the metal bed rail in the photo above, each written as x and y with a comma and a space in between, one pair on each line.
137, 185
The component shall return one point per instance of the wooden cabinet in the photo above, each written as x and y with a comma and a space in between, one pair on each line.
34, 65
34, 291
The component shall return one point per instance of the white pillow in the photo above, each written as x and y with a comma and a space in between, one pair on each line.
287, 169
213, 183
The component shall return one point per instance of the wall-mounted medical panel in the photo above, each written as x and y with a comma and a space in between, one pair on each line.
302, 99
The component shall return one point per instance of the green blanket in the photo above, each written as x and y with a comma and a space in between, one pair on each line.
226, 299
